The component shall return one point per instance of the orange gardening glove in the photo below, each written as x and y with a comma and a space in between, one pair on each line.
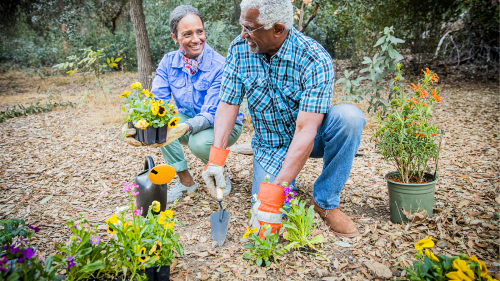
266, 209
213, 174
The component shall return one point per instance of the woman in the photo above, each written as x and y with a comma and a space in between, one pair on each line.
192, 75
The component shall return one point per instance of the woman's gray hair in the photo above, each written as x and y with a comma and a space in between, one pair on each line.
180, 12
271, 11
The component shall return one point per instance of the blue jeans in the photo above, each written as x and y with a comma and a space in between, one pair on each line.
337, 142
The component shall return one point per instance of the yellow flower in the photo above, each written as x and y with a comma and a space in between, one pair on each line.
162, 111
168, 213
164, 215
126, 225
124, 94
286, 235
424, 243
144, 259
484, 269
472, 258
431, 256
175, 112
136, 85
155, 108
153, 249
151, 95
458, 276
110, 222
156, 206
142, 124
461, 265
157, 246
173, 122
169, 225
249, 231
145, 92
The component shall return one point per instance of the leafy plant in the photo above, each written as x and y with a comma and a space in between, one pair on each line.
22, 110
86, 255
382, 70
428, 266
19, 259
142, 109
406, 137
136, 245
300, 225
90, 63
262, 249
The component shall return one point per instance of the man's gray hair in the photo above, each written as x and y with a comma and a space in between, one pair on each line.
271, 11
180, 12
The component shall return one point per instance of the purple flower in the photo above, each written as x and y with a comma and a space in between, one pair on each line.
125, 183
135, 185
35, 228
7, 247
71, 262
75, 226
95, 240
287, 190
28, 253
126, 188
3, 264
134, 193
15, 250
20, 260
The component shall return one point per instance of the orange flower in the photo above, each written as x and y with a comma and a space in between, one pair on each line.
414, 87
423, 93
427, 71
438, 98
424, 104
434, 77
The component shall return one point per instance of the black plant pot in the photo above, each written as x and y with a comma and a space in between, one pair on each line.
139, 135
161, 135
130, 125
153, 274
150, 135
148, 191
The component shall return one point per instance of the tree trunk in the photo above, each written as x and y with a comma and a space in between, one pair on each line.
236, 14
142, 43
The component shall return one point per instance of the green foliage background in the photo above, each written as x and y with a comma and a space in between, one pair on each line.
47, 31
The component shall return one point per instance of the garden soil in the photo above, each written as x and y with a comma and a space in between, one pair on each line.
57, 164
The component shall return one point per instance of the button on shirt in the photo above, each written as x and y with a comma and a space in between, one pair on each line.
196, 95
299, 77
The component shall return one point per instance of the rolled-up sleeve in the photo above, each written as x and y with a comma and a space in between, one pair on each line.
211, 100
161, 87
232, 88
319, 83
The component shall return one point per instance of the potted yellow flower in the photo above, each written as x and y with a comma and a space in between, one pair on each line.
151, 117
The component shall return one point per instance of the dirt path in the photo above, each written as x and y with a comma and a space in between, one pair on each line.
74, 159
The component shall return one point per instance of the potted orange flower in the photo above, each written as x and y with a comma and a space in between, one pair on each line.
408, 140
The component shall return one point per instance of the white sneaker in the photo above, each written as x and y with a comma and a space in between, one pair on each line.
178, 189
227, 190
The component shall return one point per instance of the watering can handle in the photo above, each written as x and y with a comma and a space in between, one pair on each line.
439, 150
149, 163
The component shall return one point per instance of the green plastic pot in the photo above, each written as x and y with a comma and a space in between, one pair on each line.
412, 197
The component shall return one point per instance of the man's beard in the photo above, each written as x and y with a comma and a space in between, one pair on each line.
256, 49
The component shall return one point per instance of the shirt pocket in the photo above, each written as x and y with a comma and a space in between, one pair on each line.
202, 85
257, 91
178, 82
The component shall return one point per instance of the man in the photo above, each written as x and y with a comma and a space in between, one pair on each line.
288, 79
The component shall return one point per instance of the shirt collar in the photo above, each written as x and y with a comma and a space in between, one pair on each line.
205, 64
285, 51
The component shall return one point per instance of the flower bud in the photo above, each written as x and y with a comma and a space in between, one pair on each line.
395, 89
398, 78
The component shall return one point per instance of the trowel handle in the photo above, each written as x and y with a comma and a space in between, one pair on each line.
219, 193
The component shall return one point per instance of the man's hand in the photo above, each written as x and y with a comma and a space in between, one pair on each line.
213, 174
266, 209
172, 134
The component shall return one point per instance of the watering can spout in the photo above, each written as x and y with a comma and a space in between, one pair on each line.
152, 185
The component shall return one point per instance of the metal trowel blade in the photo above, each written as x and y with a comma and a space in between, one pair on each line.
219, 228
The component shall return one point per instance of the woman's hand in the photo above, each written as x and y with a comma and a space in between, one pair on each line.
172, 134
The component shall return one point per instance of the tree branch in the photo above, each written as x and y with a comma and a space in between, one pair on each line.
311, 17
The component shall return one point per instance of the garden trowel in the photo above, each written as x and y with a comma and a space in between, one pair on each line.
219, 221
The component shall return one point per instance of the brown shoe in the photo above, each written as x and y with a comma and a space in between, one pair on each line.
339, 223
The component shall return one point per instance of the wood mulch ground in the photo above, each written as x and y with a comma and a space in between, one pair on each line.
58, 164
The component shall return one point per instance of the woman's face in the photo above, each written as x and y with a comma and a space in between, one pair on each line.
190, 35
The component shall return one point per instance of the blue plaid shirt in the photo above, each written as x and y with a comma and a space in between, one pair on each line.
299, 77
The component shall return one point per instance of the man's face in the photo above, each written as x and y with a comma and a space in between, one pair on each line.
260, 39
190, 35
